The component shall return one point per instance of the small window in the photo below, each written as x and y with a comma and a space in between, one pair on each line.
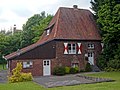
72, 48
74, 65
27, 64
48, 31
90, 46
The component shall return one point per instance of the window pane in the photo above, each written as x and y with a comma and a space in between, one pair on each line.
28, 62
69, 46
47, 62
31, 63
48, 31
73, 45
24, 64
72, 48
44, 63
91, 46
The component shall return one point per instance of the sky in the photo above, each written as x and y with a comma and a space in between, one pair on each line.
18, 11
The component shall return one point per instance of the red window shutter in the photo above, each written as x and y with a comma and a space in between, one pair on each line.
65, 48
79, 48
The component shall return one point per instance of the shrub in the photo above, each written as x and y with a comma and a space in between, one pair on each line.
26, 76
67, 70
77, 69
74, 70
18, 76
88, 67
60, 70
82, 70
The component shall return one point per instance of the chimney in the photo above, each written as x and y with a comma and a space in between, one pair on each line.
75, 6
14, 28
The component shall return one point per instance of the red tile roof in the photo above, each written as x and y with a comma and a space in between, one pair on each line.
69, 23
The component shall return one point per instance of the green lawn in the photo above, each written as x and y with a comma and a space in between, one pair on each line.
98, 86
2, 67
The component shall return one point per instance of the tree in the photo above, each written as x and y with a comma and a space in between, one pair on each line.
95, 6
108, 18
8, 44
31, 27
3, 44
38, 30
14, 43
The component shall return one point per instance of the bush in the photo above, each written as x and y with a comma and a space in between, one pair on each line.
88, 68
110, 69
74, 70
67, 70
77, 69
26, 77
18, 76
60, 70
82, 70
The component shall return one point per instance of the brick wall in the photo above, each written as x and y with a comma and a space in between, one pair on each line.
61, 58
36, 70
66, 59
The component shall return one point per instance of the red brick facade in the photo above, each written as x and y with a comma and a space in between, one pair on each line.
61, 58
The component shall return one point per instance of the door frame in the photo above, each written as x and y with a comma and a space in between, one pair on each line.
48, 66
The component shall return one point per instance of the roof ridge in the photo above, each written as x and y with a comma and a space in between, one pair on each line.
85, 9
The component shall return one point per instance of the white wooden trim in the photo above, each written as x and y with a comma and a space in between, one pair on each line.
65, 48
79, 45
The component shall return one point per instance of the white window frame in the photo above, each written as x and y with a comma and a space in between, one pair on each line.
91, 46
75, 65
48, 31
27, 64
72, 49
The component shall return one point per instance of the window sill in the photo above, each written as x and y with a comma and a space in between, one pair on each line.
71, 53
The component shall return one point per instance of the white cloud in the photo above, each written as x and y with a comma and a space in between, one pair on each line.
18, 11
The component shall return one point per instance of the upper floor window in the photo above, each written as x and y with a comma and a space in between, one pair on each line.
27, 64
48, 31
72, 48
90, 46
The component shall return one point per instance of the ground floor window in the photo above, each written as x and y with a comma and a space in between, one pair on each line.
74, 65
27, 64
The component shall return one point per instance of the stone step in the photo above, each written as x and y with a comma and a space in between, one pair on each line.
95, 68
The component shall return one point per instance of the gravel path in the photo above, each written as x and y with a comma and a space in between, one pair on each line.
77, 79
3, 76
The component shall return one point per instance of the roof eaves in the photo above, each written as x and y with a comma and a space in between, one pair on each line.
27, 50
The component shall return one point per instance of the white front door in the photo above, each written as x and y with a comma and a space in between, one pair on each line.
91, 58
46, 68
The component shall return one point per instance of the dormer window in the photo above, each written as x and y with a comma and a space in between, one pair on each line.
90, 46
48, 31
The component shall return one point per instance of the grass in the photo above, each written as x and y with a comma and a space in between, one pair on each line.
2, 67
98, 86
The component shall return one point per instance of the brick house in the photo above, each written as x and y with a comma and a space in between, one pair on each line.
71, 36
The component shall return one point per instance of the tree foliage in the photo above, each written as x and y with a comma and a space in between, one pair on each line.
108, 19
32, 30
